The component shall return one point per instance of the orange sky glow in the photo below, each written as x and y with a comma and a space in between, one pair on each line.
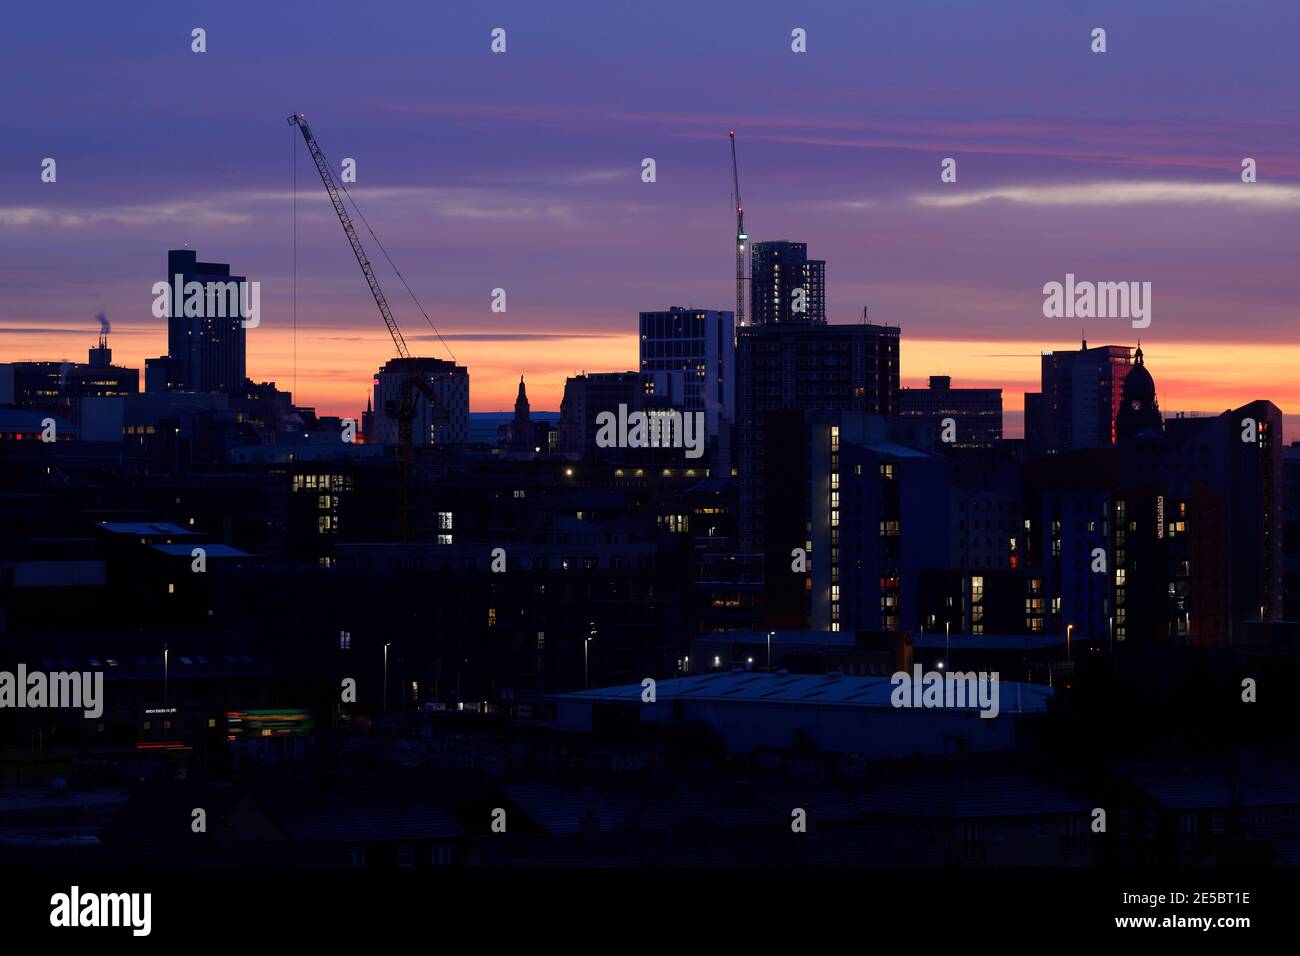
1190, 376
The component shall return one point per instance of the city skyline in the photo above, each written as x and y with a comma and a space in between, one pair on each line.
492, 172
452, 446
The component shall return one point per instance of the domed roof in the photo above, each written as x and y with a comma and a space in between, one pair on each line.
1139, 413
1139, 383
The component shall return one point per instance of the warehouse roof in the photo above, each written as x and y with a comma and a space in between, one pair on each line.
792, 689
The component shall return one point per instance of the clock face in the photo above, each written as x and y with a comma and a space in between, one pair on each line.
1135, 405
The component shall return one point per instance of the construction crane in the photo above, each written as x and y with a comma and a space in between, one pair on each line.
741, 238
405, 406
332, 188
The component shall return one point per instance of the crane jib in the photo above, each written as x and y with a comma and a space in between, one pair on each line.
331, 188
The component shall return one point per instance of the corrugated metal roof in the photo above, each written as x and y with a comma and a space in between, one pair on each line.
143, 528
776, 688
209, 550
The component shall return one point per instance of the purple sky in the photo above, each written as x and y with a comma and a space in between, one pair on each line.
522, 171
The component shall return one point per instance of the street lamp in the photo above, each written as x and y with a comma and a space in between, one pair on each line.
586, 656
1112, 634
769, 649
947, 628
386, 646
1068, 629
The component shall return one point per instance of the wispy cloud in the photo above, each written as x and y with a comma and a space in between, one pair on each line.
515, 336
455, 202
852, 203
1261, 195
189, 212
244, 206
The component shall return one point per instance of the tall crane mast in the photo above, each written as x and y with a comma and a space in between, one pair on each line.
413, 387
332, 188
741, 238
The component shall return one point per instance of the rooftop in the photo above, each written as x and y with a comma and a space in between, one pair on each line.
796, 689
209, 550
143, 528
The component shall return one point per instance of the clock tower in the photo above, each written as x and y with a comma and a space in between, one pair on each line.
1138, 411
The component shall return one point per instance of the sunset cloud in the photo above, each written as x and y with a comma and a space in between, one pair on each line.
1257, 195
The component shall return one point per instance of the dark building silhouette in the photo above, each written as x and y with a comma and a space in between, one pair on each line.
784, 371
59, 387
701, 344
587, 395
777, 270
1138, 410
209, 348
1080, 399
887, 519
521, 429
522, 437
444, 421
163, 374
1291, 531
976, 414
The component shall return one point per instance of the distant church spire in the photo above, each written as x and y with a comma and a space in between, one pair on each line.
521, 403
521, 431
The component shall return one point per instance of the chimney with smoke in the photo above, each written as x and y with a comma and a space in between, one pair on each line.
102, 356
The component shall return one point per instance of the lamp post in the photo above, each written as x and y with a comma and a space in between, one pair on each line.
586, 656
166, 663
386, 646
769, 649
947, 629
1112, 634
1068, 629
